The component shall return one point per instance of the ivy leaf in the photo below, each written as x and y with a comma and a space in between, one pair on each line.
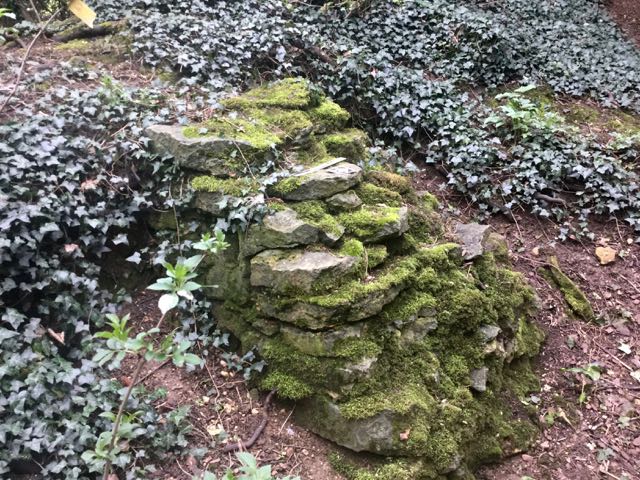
135, 258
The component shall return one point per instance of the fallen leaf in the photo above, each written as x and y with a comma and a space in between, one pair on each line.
624, 348
90, 184
83, 12
404, 436
214, 429
605, 255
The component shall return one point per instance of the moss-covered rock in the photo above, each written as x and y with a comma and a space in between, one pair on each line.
278, 119
391, 340
329, 116
319, 183
373, 223
292, 93
350, 144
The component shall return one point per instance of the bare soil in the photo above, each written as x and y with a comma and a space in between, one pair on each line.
627, 14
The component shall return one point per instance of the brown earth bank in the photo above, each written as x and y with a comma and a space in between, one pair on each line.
626, 13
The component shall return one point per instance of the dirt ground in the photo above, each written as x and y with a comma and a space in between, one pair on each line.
627, 14
598, 439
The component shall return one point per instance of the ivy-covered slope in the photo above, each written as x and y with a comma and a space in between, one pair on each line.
68, 202
417, 72
393, 338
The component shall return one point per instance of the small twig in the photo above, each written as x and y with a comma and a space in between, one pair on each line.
286, 419
232, 447
35, 10
24, 59
613, 356
547, 198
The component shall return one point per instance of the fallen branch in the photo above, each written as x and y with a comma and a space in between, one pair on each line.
313, 50
81, 31
24, 59
547, 198
232, 447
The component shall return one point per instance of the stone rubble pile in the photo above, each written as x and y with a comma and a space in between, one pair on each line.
394, 336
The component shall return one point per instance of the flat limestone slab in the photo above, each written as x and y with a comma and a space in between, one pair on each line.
208, 154
282, 229
320, 183
297, 270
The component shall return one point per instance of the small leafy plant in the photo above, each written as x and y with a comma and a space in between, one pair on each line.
249, 470
591, 372
523, 115
5, 12
178, 283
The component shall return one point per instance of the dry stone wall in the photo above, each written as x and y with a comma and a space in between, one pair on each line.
393, 336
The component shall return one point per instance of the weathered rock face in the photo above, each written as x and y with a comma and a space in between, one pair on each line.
394, 338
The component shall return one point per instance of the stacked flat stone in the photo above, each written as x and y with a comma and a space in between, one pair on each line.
394, 336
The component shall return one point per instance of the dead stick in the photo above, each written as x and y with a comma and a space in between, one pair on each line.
256, 434
24, 59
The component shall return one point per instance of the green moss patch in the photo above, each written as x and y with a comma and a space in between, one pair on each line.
329, 116
315, 213
287, 386
376, 255
290, 93
369, 219
77, 44
230, 186
351, 144
288, 123
391, 181
242, 130
372, 195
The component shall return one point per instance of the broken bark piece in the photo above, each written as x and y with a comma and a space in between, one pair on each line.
575, 298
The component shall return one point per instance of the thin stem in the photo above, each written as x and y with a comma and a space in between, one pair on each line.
24, 59
35, 11
123, 404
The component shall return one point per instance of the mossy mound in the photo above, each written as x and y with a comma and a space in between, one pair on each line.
287, 119
392, 338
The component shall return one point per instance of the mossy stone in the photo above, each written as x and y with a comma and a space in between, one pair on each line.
318, 182
328, 116
297, 270
373, 223
350, 144
290, 93
575, 298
